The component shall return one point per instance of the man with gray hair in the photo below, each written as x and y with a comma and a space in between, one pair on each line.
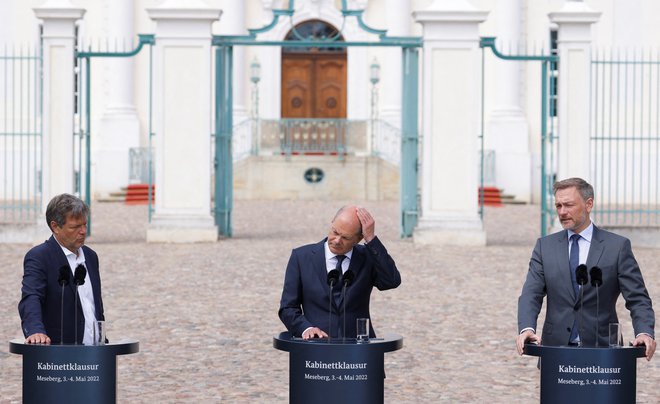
552, 274
48, 279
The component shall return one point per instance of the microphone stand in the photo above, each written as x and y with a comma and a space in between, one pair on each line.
581, 278
63, 280
75, 316
79, 278
597, 280
332, 284
597, 309
62, 317
347, 278
343, 292
580, 316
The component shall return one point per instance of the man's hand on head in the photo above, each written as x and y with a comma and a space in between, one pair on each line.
368, 224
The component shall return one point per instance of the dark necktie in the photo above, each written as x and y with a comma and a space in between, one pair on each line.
336, 290
573, 262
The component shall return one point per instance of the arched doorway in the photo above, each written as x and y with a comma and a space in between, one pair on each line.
306, 82
313, 79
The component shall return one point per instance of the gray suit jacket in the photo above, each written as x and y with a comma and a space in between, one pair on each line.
549, 275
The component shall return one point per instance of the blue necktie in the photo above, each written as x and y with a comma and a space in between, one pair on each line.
336, 290
573, 262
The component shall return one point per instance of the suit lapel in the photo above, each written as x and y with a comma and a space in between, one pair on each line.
564, 267
61, 260
357, 261
596, 249
94, 279
318, 263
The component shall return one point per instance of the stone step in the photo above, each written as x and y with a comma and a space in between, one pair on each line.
494, 197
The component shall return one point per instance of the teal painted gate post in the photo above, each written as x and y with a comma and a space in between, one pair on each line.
224, 107
409, 141
86, 125
223, 163
546, 139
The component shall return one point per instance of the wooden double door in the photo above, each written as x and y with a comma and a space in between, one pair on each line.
314, 85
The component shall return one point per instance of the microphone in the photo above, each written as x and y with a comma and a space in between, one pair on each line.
596, 281
79, 279
65, 275
80, 274
581, 275
333, 278
347, 279
63, 280
581, 278
596, 276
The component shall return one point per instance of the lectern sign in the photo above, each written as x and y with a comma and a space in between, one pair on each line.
70, 373
587, 375
341, 371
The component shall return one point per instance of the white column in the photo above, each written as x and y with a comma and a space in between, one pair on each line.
182, 122
119, 127
270, 58
358, 87
507, 130
233, 23
450, 124
357, 83
59, 18
398, 19
7, 22
574, 42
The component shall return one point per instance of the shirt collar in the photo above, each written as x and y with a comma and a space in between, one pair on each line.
329, 254
80, 258
585, 234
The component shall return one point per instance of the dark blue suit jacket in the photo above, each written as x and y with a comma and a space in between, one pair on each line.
306, 294
41, 294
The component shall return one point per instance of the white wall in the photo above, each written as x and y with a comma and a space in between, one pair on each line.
623, 23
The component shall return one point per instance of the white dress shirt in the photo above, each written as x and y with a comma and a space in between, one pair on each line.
331, 259
84, 292
584, 242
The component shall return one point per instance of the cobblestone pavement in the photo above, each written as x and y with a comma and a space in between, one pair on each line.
205, 313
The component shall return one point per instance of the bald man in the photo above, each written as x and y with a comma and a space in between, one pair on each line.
306, 296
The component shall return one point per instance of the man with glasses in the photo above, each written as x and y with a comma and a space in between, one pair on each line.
49, 286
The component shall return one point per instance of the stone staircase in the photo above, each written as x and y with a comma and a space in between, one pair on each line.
134, 194
494, 197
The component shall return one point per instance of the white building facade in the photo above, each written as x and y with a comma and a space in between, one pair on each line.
129, 97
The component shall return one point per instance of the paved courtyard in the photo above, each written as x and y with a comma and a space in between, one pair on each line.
205, 313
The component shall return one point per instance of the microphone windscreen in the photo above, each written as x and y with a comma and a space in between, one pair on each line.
596, 276
348, 277
65, 275
80, 274
333, 277
581, 274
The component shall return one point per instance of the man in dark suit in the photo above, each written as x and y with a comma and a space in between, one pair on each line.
552, 273
41, 293
306, 295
